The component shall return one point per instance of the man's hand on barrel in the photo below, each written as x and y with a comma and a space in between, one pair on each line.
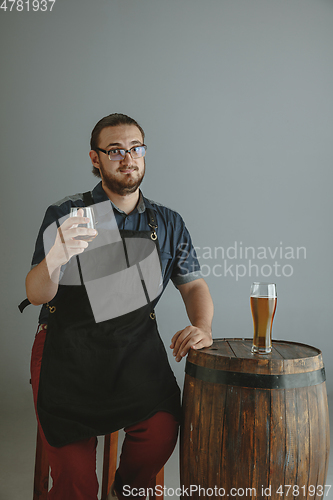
190, 338
199, 307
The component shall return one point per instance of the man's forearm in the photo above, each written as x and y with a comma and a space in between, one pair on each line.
200, 309
199, 305
42, 282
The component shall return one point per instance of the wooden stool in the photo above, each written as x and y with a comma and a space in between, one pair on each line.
41, 479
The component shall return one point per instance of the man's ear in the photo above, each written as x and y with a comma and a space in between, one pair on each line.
94, 158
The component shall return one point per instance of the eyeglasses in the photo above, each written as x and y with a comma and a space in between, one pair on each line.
119, 154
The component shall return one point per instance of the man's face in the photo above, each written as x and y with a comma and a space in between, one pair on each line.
121, 176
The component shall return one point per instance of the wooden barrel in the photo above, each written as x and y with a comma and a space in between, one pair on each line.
254, 424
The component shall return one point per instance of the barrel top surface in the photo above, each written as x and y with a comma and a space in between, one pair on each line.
234, 354
241, 348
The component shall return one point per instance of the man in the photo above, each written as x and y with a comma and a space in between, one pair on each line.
94, 371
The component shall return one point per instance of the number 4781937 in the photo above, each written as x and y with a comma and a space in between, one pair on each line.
27, 5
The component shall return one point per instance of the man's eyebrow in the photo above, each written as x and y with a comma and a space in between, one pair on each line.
120, 145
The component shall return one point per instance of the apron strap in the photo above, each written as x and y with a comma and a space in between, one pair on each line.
152, 219
24, 304
88, 199
152, 223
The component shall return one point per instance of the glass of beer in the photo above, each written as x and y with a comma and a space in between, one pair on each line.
87, 212
263, 304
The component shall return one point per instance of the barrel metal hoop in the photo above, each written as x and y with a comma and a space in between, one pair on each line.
256, 380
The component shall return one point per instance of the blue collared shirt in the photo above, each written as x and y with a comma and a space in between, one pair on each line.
178, 256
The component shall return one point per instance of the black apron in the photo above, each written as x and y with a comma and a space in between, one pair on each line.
98, 377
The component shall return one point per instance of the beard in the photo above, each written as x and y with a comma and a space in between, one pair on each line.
122, 184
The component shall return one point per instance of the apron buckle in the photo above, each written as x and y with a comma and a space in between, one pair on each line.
51, 308
152, 315
154, 226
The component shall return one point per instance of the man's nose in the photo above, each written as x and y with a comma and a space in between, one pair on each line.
127, 160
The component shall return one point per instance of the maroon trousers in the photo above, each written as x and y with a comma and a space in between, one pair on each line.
146, 448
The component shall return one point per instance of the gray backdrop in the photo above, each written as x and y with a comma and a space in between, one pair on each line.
236, 100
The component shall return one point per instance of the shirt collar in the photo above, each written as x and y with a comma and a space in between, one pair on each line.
99, 196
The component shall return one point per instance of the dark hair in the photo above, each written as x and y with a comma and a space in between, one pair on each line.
112, 120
